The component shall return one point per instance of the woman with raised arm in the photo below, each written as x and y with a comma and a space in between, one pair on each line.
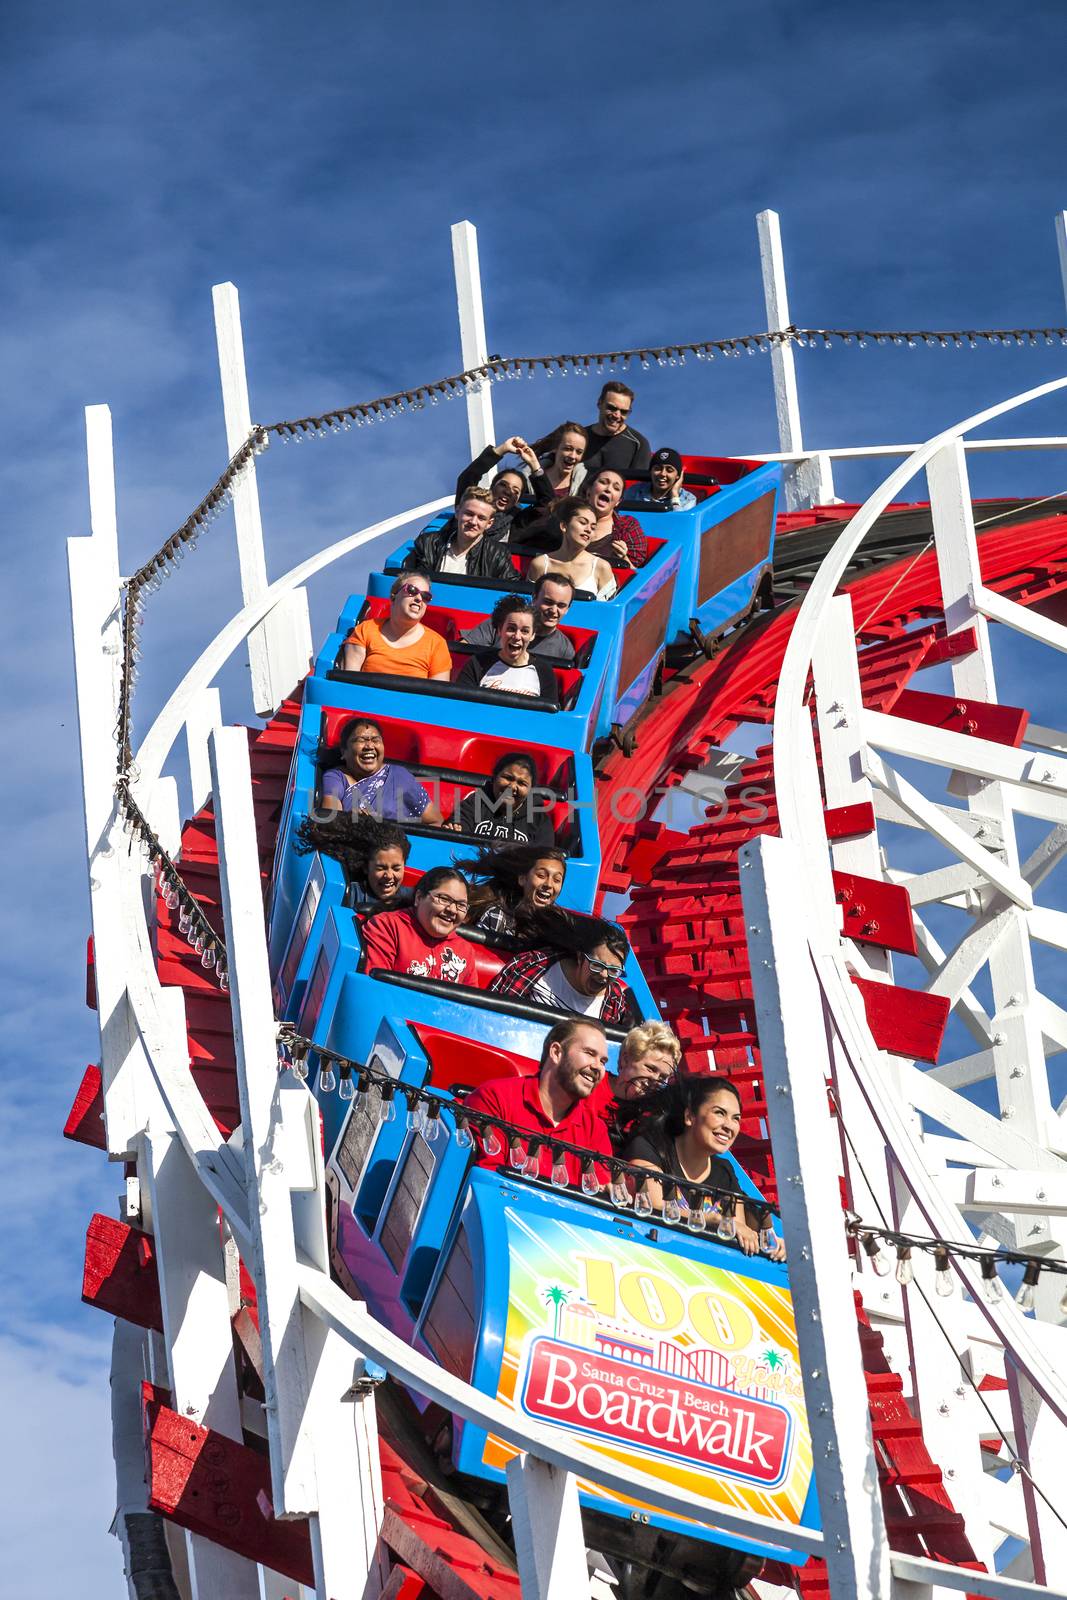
687, 1139
591, 575
509, 882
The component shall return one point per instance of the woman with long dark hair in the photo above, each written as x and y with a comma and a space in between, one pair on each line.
512, 881
372, 853
507, 806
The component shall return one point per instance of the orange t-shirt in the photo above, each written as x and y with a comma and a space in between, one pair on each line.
423, 659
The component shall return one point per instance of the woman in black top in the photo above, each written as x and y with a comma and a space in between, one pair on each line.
689, 1143
513, 670
508, 808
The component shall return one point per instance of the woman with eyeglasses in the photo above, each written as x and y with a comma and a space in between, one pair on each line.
402, 645
577, 966
423, 942
365, 782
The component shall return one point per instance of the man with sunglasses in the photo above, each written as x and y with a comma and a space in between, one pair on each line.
580, 972
612, 442
463, 546
552, 596
423, 942
401, 646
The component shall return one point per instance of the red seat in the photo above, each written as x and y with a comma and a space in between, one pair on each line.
455, 1060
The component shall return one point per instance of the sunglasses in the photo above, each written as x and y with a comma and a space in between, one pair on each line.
414, 590
616, 411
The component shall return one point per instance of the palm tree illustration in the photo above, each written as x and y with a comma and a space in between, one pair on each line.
556, 1298
773, 1359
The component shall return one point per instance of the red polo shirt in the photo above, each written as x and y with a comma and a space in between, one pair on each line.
518, 1101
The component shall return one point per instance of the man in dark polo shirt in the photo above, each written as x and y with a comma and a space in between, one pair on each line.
557, 1100
611, 441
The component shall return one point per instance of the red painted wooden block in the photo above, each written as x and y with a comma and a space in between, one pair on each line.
643, 855
874, 912
909, 1022
85, 1123
1004, 724
218, 1488
964, 643
849, 822
120, 1275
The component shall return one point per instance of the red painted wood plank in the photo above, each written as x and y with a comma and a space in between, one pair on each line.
120, 1275
1004, 724
849, 822
220, 1489
908, 1022
951, 648
875, 912
85, 1121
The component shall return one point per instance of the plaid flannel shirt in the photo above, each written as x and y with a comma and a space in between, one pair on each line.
521, 979
629, 530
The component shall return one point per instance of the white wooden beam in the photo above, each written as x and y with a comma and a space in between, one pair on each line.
810, 480
475, 350
205, 714
1061, 248
546, 1520
279, 648
796, 1063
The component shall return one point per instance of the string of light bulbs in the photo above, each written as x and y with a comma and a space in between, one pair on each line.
697, 1206
944, 1251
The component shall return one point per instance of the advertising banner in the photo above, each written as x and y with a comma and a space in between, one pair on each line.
660, 1360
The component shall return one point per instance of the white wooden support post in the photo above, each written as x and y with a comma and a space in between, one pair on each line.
809, 482
546, 1520
205, 715
280, 646
475, 351
796, 1059
321, 1465
95, 603
1061, 244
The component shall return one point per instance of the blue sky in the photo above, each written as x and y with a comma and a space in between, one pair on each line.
613, 159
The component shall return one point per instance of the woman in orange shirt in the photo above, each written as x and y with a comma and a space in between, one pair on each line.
400, 645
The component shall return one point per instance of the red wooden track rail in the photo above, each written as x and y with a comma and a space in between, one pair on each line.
686, 925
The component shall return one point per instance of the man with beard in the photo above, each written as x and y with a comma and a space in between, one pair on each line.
553, 1103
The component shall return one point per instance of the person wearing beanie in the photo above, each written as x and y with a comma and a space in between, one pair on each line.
664, 491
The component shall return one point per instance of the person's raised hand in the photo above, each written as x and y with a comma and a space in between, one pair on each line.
511, 447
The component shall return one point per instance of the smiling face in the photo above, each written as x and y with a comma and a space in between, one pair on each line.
605, 492
513, 780
506, 490
440, 911
613, 411
385, 873
579, 1065
409, 604
542, 884
514, 636
550, 605
716, 1122
594, 971
580, 528
643, 1074
570, 450
364, 750
665, 479
473, 518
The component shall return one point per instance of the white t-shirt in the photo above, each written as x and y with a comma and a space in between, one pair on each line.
567, 997
517, 680
450, 562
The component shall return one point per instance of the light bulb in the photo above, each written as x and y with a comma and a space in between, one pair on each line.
346, 1089
170, 898
387, 1110
517, 1153
696, 1220
208, 957
643, 1202
619, 1193
877, 1257
1025, 1297
672, 1211
327, 1078
560, 1175
768, 1238
491, 1142
904, 1272
300, 1067
463, 1134
590, 1181
224, 979
991, 1285
183, 921
431, 1120
532, 1165
416, 1116
727, 1229
943, 1284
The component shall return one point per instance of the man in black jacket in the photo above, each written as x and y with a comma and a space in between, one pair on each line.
463, 546
612, 442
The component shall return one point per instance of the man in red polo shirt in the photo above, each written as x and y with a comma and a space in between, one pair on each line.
555, 1101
